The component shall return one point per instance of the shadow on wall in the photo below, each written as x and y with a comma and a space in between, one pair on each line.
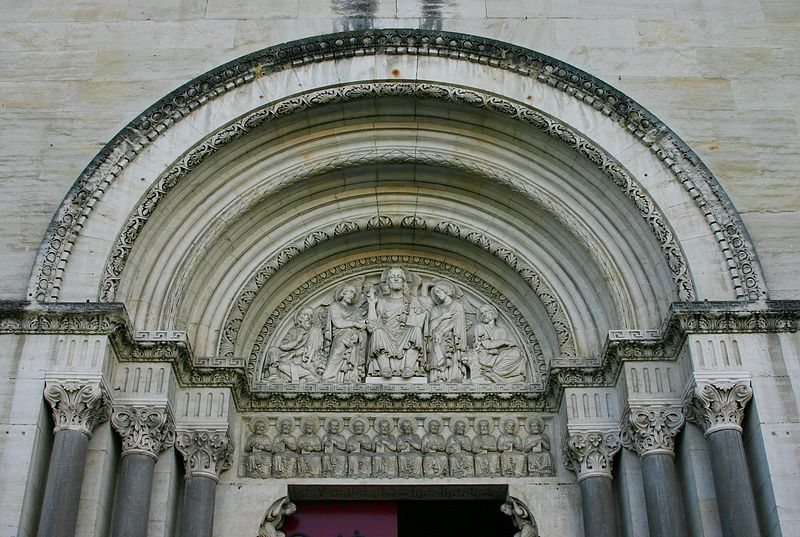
360, 14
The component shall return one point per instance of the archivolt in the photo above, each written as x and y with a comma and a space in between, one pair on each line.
722, 218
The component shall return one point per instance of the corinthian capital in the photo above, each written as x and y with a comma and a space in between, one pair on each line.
207, 452
590, 454
146, 430
78, 405
651, 429
715, 405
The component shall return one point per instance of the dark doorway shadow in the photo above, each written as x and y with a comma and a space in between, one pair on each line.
448, 518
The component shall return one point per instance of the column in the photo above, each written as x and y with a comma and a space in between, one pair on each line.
717, 405
206, 453
650, 430
79, 405
146, 431
590, 454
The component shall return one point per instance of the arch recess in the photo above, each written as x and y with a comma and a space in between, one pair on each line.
185, 190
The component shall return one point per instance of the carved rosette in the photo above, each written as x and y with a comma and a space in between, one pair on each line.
207, 452
718, 405
590, 454
651, 429
77, 405
145, 430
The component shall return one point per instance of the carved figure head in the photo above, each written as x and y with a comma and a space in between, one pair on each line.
488, 314
358, 425
483, 426
309, 425
442, 290
347, 294
304, 317
384, 425
534, 425
285, 425
396, 278
258, 426
509, 425
459, 425
333, 425
407, 425
433, 424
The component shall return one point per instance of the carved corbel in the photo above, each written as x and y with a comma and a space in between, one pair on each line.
145, 430
650, 429
521, 517
590, 454
716, 405
275, 516
207, 453
78, 405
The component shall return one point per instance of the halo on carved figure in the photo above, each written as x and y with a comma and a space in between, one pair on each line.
404, 421
283, 422
452, 290
357, 419
381, 421
455, 420
431, 420
480, 421
309, 420
411, 284
534, 425
509, 420
331, 420
255, 423
358, 290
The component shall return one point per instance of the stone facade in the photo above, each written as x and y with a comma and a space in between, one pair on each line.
451, 246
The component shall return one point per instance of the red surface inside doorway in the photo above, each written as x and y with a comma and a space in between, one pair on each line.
343, 519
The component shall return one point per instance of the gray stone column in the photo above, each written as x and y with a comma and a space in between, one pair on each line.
590, 455
206, 453
145, 432
650, 431
718, 407
78, 407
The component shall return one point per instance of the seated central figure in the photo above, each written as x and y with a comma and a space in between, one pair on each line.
397, 322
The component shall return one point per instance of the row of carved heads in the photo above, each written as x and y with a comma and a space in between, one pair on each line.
390, 447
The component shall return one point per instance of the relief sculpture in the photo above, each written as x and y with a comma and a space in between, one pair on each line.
455, 447
396, 326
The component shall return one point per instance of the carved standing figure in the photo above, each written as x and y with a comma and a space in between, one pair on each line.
284, 450
259, 445
309, 446
409, 444
384, 462
347, 329
397, 321
496, 357
296, 356
537, 445
434, 463
509, 444
484, 447
448, 333
521, 517
334, 446
459, 449
359, 449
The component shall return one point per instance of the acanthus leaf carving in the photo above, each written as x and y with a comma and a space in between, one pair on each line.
718, 405
77, 405
591, 453
650, 429
207, 452
146, 430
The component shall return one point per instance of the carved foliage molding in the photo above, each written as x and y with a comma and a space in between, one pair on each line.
207, 453
78, 405
651, 429
719, 404
145, 430
591, 454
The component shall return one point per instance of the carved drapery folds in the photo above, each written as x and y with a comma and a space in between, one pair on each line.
590, 454
207, 452
719, 404
651, 429
78, 405
275, 516
521, 517
145, 430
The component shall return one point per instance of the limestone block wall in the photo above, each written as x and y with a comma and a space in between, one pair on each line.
724, 77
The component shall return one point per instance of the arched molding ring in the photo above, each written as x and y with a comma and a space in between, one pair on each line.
675, 259
683, 164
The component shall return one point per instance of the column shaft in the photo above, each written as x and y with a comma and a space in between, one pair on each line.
197, 518
132, 500
62, 494
599, 516
662, 496
737, 508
